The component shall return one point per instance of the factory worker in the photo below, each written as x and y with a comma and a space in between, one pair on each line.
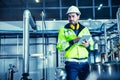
76, 51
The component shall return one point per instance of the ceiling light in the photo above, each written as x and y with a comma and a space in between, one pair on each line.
37, 1
100, 6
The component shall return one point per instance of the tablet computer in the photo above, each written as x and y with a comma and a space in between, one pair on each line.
84, 38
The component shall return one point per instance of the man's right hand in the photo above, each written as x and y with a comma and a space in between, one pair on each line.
76, 39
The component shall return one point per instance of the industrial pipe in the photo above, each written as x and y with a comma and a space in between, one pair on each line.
106, 44
27, 19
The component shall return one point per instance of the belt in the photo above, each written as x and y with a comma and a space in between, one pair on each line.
77, 60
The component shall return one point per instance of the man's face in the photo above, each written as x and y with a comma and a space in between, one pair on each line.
73, 18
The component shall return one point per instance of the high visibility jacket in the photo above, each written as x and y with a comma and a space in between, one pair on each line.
65, 35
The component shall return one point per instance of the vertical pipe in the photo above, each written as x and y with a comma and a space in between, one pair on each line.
93, 7
60, 1
17, 60
109, 4
26, 41
105, 37
43, 49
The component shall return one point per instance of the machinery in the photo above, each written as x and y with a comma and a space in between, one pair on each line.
109, 66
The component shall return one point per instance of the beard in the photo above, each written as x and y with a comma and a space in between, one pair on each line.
72, 22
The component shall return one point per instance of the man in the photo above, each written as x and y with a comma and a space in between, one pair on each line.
76, 54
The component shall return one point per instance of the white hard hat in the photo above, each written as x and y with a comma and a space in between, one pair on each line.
73, 9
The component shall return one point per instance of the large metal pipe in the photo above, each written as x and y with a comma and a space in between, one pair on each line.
27, 19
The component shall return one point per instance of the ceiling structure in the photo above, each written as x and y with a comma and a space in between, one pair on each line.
12, 10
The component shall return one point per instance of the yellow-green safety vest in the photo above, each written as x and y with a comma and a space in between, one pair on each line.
75, 51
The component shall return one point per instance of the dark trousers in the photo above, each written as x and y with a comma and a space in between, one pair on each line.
74, 69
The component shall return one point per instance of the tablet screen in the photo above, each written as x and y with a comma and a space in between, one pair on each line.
84, 38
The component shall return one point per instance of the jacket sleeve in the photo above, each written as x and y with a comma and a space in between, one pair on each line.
62, 43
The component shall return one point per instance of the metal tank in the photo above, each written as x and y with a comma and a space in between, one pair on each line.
108, 70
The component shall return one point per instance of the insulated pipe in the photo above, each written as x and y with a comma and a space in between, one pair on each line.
26, 19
